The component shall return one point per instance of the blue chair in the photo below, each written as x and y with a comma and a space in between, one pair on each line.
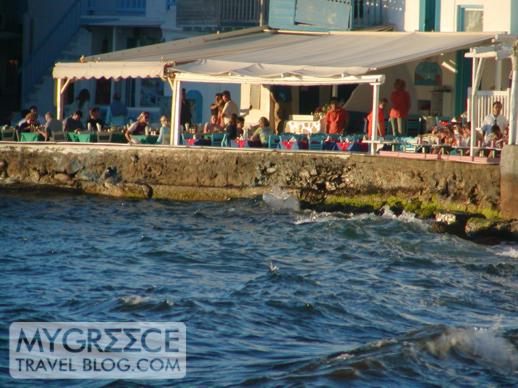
316, 142
273, 141
184, 136
218, 139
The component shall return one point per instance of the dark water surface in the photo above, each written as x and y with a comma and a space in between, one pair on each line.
355, 301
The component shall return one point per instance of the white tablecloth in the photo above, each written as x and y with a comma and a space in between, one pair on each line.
305, 127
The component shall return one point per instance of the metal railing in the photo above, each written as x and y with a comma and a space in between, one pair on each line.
115, 7
366, 13
215, 13
241, 12
50, 47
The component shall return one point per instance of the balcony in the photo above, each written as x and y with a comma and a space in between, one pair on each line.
366, 13
219, 13
114, 8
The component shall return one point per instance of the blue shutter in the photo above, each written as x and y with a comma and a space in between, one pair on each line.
333, 14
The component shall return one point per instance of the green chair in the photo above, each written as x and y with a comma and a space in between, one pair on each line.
104, 137
58, 136
9, 135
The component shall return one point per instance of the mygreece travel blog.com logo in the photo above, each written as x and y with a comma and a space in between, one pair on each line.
97, 350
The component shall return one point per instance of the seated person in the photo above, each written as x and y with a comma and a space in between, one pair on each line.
163, 136
94, 122
494, 138
212, 126
494, 118
139, 127
51, 124
73, 123
240, 124
336, 118
231, 127
29, 123
262, 133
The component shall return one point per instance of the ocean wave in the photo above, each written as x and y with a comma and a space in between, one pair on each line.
481, 345
506, 250
405, 216
142, 303
314, 217
435, 346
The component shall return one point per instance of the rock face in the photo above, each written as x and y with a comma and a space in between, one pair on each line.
218, 174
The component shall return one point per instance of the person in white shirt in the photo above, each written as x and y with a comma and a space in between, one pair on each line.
229, 108
495, 118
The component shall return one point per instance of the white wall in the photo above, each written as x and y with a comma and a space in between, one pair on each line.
497, 14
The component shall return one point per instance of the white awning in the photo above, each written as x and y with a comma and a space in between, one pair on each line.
114, 70
270, 56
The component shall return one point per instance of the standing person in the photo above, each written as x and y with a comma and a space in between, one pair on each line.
400, 100
185, 110
118, 110
230, 107
336, 117
381, 120
139, 127
494, 118
82, 103
165, 130
216, 108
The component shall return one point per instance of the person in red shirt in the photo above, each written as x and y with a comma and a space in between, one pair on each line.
381, 120
336, 118
400, 100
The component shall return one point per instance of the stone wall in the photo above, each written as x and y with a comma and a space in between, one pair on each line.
509, 181
218, 174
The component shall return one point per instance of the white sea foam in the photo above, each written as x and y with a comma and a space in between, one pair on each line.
314, 217
507, 250
134, 300
281, 200
405, 216
484, 345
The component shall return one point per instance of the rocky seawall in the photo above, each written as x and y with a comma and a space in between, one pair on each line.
469, 194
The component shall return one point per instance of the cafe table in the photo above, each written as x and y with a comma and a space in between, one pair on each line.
145, 139
82, 137
30, 136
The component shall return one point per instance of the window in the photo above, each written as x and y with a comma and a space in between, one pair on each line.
428, 74
470, 18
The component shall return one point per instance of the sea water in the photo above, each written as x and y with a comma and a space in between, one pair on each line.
269, 296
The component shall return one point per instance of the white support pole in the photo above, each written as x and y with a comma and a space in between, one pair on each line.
473, 109
261, 13
513, 117
59, 99
375, 104
171, 136
176, 102
334, 91
498, 75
